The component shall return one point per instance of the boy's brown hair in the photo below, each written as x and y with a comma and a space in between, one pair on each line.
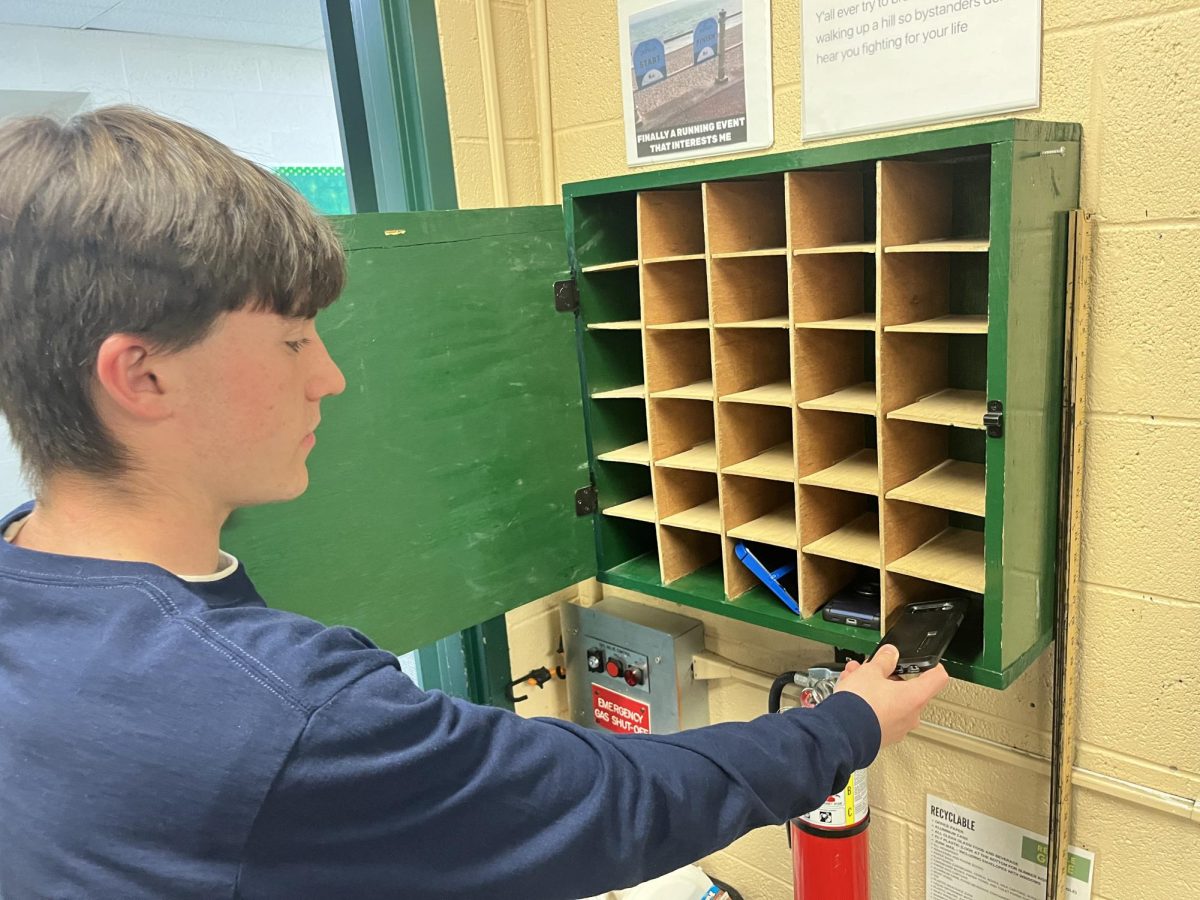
122, 221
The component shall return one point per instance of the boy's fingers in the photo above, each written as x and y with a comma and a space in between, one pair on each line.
931, 683
885, 659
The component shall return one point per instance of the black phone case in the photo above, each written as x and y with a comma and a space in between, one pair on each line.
923, 632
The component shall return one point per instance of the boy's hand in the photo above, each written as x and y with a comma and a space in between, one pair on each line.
896, 703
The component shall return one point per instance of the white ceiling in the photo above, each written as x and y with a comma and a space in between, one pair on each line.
290, 23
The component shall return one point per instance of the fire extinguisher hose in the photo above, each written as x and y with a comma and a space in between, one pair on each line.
776, 695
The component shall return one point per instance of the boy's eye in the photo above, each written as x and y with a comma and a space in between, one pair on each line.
296, 345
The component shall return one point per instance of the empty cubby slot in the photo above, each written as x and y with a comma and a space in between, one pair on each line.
679, 365
750, 292
614, 364
928, 207
760, 510
935, 546
840, 525
832, 211
933, 465
836, 450
624, 492
611, 301
756, 441
606, 232
619, 433
935, 293
688, 499
834, 292
683, 435
670, 224
753, 367
938, 379
745, 217
683, 551
835, 371
620, 540
825, 578
675, 294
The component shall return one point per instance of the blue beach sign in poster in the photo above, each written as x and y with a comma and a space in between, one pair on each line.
649, 62
696, 77
704, 41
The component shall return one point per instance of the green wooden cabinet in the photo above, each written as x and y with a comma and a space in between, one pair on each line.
794, 351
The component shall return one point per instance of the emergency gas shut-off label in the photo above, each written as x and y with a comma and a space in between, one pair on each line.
619, 713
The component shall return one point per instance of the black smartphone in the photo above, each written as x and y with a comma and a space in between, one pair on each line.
857, 604
923, 631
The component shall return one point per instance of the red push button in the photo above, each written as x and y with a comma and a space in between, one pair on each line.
634, 676
614, 668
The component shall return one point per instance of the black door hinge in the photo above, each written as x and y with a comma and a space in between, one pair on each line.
566, 296
993, 419
585, 500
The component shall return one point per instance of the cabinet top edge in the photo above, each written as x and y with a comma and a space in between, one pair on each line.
826, 154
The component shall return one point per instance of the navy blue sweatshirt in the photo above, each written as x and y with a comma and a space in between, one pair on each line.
163, 738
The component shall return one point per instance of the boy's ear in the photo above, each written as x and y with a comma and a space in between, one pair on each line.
126, 374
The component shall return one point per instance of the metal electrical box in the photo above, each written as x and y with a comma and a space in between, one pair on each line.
629, 668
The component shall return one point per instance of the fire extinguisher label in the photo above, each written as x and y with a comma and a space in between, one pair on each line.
844, 809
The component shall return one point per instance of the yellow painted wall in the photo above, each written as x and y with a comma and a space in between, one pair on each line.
1129, 71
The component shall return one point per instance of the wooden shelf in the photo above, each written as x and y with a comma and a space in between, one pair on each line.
772, 322
700, 390
858, 473
775, 464
954, 557
857, 542
631, 325
852, 247
777, 394
953, 485
612, 266
857, 399
776, 528
943, 245
740, 254
638, 454
857, 322
701, 458
641, 509
680, 326
633, 392
683, 257
705, 517
962, 409
944, 325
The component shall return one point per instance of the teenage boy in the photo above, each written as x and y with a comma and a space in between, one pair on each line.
163, 732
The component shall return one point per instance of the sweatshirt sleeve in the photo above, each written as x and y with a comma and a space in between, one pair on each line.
392, 791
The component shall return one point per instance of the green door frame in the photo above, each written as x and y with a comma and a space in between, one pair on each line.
386, 64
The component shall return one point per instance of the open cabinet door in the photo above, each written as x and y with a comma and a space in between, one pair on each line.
443, 482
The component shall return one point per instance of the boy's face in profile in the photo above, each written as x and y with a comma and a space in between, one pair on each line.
247, 401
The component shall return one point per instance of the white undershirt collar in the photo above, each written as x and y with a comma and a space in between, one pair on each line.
228, 563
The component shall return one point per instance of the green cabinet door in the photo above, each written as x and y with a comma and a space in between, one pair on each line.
442, 486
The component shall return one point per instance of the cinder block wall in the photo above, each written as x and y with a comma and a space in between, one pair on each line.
1130, 73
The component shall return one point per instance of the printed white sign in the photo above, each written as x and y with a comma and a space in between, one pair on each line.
874, 65
696, 77
970, 856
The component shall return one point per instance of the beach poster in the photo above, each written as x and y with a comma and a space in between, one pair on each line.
697, 78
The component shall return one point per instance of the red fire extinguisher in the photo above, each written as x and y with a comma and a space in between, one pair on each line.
830, 846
